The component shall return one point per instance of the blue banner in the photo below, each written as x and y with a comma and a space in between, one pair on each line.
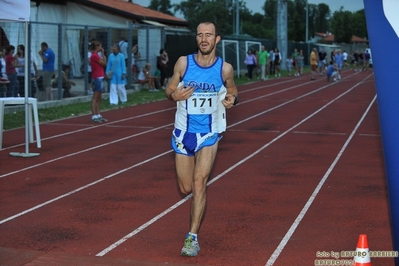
382, 19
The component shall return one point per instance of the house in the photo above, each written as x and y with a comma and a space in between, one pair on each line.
66, 24
329, 38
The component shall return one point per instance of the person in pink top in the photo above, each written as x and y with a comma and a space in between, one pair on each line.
98, 61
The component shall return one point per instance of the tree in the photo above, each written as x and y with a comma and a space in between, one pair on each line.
358, 24
322, 17
341, 26
163, 6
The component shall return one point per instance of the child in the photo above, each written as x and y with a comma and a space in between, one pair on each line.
331, 71
289, 62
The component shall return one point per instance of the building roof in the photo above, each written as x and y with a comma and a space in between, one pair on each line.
329, 37
133, 11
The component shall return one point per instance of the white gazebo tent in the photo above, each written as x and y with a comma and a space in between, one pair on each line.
19, 11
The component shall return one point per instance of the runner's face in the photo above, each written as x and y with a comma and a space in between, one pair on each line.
206, 39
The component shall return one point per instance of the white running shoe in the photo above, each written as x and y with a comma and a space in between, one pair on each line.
191, 246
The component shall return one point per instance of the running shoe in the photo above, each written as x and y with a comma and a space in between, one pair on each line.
102, 119
191, 246
96, 120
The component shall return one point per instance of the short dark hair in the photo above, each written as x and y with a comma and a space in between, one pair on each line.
44, 44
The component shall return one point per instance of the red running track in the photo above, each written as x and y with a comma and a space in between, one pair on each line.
299, 172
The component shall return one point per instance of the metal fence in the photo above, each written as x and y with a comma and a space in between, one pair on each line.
70, 45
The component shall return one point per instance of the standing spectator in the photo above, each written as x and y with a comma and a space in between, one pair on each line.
263, 61
116, 64
294, 56
21, 61
3, 63
332, 55
322, 61
277, 61
123, 45
162, 65
299, 63
271, 62
339, 60
257, 67
288, 64
355, 60
250, 61
361, 60
48, 57
145, 77
97, 66
345, 55
313, 63
366, 60
197, 129
135, 57
89, 79
11, 72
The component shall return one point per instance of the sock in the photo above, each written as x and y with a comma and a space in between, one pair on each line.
93, 116
194, 235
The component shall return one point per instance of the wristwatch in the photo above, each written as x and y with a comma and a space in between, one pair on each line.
235, 100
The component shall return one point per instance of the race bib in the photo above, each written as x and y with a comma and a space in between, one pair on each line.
202, 103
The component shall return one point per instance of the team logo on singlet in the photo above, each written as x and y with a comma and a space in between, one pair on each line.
203, 86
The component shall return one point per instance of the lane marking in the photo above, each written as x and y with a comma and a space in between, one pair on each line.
157, 217
303, 212
109, 176
143, 115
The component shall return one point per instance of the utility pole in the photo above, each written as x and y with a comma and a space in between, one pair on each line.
282, 33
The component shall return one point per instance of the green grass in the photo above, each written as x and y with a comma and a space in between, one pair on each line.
17, 119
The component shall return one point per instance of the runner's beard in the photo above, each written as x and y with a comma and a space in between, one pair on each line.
206, 52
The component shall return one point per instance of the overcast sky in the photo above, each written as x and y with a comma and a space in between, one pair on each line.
256, 5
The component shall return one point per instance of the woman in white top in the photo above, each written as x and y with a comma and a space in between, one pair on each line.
21, 61
145, 77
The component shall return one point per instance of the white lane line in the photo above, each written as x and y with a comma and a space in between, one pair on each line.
85, 150
90, 126
156, 112
84, 187
157, 217
113, 122
72, 192
303, 212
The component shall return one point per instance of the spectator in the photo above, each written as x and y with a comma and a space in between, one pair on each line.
250, 61
116, 64
11, 72
331, 71
21, 61
276, 62
162, 65
339, 60
97, 63
123, 45
313, 63
135, 57
289, 62
145, 77
66, 83
366, 60
263, 61
48, 57
345, 55
322, 61
299, 63
3, 74
89, 89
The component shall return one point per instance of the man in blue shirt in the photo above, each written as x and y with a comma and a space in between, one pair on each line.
48, 57
331, 71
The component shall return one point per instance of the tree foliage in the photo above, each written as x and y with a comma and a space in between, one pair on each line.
163, 6
343, 24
